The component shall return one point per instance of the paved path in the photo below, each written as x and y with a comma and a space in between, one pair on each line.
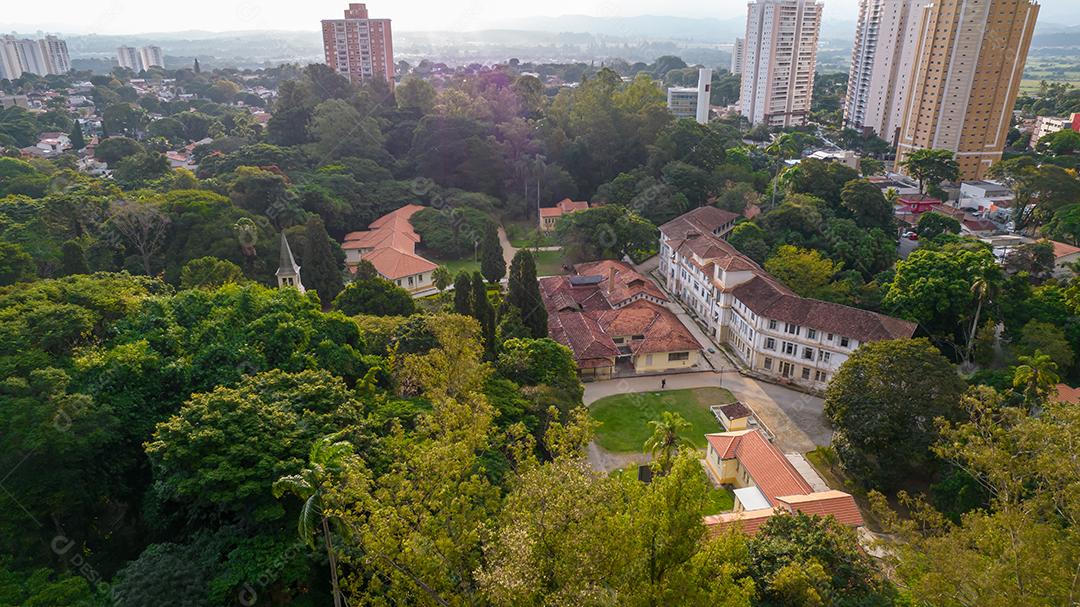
507, 248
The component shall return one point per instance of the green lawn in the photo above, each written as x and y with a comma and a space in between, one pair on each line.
457, 265
720, 500
625, 418
549, 263
524, 234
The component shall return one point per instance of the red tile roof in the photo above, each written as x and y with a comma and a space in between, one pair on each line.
706, 220
393, 264
1062, 249
773, 474
825, 503
392, 243
748, 521
1066, 394
582, 314
564, 207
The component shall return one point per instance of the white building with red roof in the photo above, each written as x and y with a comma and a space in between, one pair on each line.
1065, 255
389, 244
770, 329
766, 484
549, 216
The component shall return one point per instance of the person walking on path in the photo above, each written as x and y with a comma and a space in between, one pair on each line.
663, 384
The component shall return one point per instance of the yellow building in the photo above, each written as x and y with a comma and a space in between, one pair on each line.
968, 64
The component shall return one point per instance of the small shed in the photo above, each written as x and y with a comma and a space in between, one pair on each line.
733, 416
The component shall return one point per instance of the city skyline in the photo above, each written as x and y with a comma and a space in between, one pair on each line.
130, 17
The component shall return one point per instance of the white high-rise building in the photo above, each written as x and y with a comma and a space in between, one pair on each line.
41, 57
882, 62
56, 55
692, 102
128, 57
779, 58
10, 66
151, 56
737, 56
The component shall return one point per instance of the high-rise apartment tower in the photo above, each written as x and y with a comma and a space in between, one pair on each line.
779, 57
358, 47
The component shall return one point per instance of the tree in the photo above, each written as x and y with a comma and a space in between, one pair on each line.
463, 294
484, 313
1036, 377
607, 232
523, 292
339, 131
666, 440
931, 168
141, 225
139, 170
376, 296
839, 572
1065, 224
114, 149
750, 240
78, 142
492, 263
933, 287
871, 166
328, 460
415, 94
1038, 189
441, 278
123, 119
805, 271
933, 224
322, 268
209, 273
1032, 509
883, 402
1061, 143
73, 259
1048, 339
291, 117
867, 205
16, 265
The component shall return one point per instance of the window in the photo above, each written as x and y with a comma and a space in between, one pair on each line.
789, 348
638, 337
786, 368
811, 334
826, 356
768, 363
648, 359
820, 376
770, 343
844, 342
617, 340
772, 325
790, 328
808, 353
828, 337
806, 372
677, 356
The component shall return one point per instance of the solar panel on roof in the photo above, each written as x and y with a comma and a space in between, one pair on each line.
581, 281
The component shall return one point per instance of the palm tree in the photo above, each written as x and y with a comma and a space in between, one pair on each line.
327, 460
666, 438
1036, 376
980, 288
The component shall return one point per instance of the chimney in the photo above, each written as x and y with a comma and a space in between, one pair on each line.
692, 234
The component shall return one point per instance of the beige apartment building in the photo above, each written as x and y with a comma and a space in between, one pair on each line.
882, 60
968, 65
779, 56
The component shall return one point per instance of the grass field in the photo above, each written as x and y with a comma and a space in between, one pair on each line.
457, 265
625, 418
549, 263
524, 234
720, 500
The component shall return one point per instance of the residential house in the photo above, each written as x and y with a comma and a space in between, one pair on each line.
549, 216
1065, 255
766, 483
613, 320
389, 244
767, 327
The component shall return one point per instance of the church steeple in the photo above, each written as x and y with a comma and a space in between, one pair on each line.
288, 273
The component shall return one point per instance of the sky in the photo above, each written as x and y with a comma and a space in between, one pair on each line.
141, 16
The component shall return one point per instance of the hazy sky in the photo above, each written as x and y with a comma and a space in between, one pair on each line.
137, 16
